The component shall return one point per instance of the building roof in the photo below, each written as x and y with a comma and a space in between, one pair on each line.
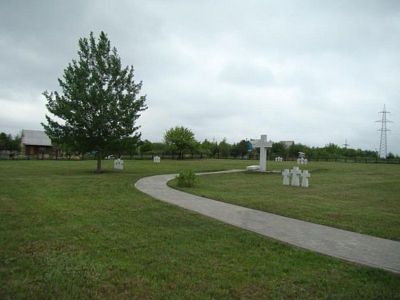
35, 137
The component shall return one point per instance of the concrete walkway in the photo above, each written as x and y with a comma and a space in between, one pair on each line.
351, 246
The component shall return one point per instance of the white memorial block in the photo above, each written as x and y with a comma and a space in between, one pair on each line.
253, 168
305, 161
302, 160
156, 159
304, 178
263, 144
295, 176
298, 161
118, 164
286, 175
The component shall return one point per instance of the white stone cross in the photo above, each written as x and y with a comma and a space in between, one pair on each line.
285, 175
304, 178
263, 144
295, 176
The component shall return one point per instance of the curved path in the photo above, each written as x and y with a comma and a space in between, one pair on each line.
363, 249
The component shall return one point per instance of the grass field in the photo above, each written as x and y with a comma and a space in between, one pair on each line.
359, 197
66, 232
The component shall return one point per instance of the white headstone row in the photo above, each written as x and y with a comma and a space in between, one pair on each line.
278, 158
292, 177
302, 161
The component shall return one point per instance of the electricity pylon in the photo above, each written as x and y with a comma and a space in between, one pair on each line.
383, 130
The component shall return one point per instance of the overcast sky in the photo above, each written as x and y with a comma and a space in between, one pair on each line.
310, 71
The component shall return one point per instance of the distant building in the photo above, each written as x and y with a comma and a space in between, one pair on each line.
36, 143
287, 143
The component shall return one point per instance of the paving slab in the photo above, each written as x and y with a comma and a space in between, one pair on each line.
351, 246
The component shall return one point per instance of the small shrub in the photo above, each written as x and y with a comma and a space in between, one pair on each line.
186, 178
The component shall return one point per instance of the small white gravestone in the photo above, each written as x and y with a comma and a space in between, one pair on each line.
156, 159
253, 168
118, 164
263, 144
295, 176
302, 160
304, 178
286, 175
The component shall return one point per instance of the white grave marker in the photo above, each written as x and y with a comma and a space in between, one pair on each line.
253, 168
286, 175
118, 164
263, 144
304, 178
302, 160
295, 176
156, 159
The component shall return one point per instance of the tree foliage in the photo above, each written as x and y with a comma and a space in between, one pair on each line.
240, 149
10, 143
98, 102
224, 148
180, 139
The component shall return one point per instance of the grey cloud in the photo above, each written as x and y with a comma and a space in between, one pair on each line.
246, 74
312, 71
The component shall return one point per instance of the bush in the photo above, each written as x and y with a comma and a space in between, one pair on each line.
186, 178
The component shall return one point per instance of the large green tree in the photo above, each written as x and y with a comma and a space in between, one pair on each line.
99, 101
179, 139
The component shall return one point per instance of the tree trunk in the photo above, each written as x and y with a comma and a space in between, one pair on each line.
98, 169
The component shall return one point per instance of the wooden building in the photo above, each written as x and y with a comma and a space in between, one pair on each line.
36, 143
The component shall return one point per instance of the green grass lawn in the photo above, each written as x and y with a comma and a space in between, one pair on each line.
66, 232
359, 197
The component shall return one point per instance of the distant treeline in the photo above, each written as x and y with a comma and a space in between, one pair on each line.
223, 149
213, 149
